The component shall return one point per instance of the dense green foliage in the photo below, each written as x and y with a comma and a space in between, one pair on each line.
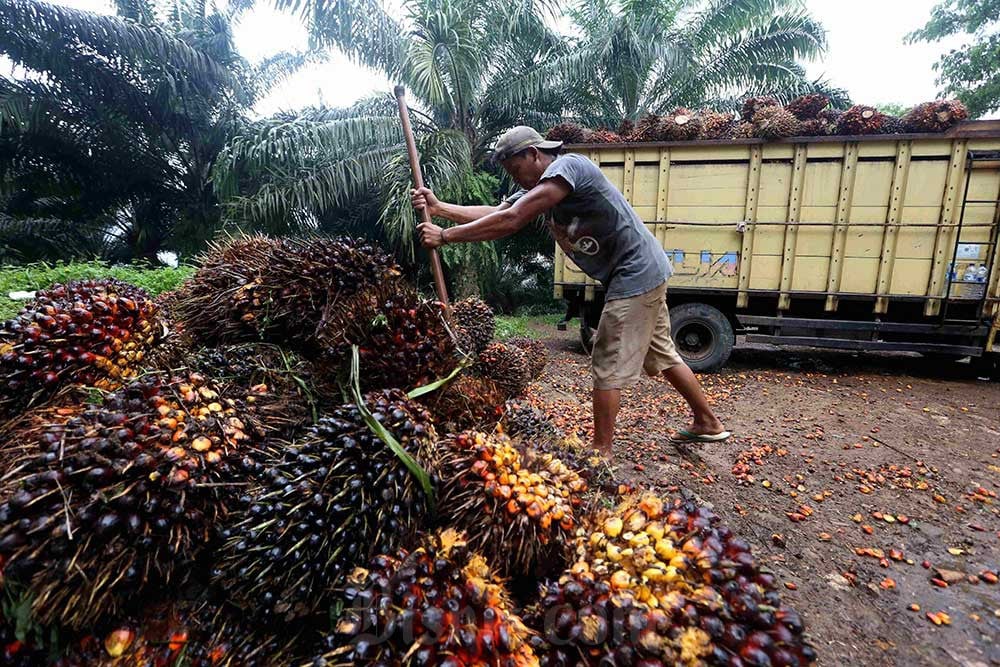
971, 72
31, 277
110, 125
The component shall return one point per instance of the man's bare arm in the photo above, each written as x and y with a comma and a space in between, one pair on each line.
503, 222
424, 197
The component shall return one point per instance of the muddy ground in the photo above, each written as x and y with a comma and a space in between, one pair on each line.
857, 478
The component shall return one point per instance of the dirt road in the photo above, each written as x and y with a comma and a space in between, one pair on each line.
859, 480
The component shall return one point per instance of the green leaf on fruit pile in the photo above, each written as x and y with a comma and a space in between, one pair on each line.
387, 437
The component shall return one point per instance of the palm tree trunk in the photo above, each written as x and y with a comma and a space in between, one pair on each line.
466, 280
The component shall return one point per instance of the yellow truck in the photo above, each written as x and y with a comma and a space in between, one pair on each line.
886, 242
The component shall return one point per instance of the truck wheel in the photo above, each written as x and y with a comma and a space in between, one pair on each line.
587, 334
703, 336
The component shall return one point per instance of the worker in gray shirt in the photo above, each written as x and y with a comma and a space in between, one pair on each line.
597, 228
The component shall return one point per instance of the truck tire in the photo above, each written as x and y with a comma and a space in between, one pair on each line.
703, 336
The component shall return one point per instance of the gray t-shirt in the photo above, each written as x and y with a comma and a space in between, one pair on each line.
610, 243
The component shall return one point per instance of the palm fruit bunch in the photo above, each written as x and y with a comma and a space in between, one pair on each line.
226, 298
523, 422
774, 122
816, 127
860, 120
604, 136
892, 125
831, 116
194, 634
937, 116
626, 129
474, 324
281, 390
716, 125
519, 512
320, 506
584, 619
587, 462
676, 557
439, 605
744, 130
649, 128
256, 288
175, 345
681, 125
808, 107
507, 366
404, 340
752, 105
536, 352
569, 133
92, 332
467, 402
104, 498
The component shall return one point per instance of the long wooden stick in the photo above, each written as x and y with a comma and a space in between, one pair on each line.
418, 182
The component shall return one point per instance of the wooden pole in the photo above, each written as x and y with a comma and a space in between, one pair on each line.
418, 182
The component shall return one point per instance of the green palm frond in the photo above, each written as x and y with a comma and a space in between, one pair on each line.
445, 159
26, 25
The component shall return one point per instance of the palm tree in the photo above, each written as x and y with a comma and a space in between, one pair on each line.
630, 58
111, 129
455, 58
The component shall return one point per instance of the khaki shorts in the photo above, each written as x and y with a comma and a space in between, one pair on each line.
633, 336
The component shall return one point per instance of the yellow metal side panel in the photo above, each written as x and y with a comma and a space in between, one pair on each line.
645, 212
791, 278
611, 155
826, 151
871, 197
915, 242
890, 241
859, 275
662, 194
944, 238
765, 272
810, 273
940, 147
821, 188
779, 152
749, 217
843, 219
707, 185
708, 153
775, 178
910, 276
647, 154
769, 240
647, 178
883, 149
628, 176
615, 174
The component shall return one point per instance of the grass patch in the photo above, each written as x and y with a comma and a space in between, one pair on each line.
32, 277
525, 326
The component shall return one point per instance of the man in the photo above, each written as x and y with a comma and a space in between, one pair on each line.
597, 228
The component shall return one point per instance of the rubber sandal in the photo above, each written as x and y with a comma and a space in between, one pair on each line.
688, 436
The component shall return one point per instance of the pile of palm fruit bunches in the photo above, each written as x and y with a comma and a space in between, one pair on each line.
297, 459
766, 118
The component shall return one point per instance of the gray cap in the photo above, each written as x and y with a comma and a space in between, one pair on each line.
516, 139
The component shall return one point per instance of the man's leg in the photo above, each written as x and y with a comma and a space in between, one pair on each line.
606, 405
684, 381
